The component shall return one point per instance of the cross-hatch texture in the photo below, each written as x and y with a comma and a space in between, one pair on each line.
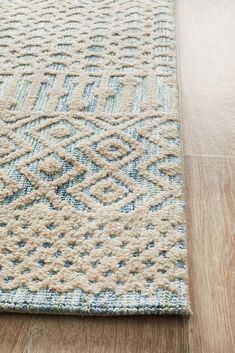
90, 177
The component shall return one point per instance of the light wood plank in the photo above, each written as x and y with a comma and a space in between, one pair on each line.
210, 193
14, 332
206, 51
64, 334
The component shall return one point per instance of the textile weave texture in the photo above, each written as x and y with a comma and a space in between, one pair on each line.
92, 212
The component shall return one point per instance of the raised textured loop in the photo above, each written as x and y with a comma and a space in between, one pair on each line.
91, 186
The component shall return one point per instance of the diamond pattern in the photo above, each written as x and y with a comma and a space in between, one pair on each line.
108, 191
90, 168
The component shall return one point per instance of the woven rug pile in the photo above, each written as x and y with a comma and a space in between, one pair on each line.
92, 213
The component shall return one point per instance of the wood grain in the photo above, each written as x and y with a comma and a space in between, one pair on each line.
102, 335
210, 195
14, 332
205, 32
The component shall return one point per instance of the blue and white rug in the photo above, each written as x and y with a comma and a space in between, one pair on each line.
92, 213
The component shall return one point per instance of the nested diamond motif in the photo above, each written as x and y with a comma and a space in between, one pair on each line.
108, 191
92, 217
113, 149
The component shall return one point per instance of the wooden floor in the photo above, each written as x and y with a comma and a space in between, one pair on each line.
206, 50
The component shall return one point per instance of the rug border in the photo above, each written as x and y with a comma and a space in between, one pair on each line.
78, 303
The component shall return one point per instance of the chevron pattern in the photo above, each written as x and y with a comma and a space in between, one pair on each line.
90, 167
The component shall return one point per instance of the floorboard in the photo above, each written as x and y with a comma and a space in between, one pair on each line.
210, 195
206, 53
108, 335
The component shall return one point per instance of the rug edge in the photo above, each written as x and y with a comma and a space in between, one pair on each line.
109, 307
183, 310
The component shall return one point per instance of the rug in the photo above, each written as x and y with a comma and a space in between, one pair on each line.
92, 212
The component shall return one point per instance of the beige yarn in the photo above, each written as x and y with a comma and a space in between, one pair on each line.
64, 64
